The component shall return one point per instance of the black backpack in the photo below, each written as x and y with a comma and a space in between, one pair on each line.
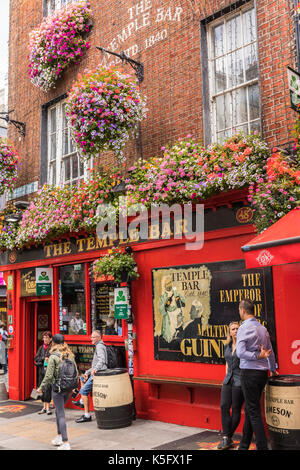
67, 378
112, 360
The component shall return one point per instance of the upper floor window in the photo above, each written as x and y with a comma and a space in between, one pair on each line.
64, 164
234, 74
53, 5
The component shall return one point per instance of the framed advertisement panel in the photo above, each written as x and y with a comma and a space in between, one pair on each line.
194, 304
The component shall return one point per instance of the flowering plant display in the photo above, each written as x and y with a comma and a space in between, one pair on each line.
59, 210
8, 230
297, 9
168, 179
57, 42
278, 193
189, 172
231, 165
103, 108
118, 264
185, 173
8, 165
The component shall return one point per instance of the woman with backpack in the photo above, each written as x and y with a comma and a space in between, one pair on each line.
62, 374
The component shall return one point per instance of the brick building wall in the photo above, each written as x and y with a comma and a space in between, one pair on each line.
167, 37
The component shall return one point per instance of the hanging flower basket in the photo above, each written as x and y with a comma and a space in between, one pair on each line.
8, 166
59, 41
103, 109
118, 264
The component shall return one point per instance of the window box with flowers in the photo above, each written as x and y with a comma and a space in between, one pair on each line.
59, 41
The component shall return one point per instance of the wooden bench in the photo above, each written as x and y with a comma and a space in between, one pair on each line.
159, 379
190, 384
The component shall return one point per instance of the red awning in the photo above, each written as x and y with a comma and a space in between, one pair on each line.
278, 244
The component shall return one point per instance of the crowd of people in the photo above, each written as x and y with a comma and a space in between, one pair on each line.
248, 355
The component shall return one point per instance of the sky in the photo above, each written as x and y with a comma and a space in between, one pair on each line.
4, 29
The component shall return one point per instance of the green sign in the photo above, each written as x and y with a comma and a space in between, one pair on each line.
43, 289
10, 282
121, 303
44, 278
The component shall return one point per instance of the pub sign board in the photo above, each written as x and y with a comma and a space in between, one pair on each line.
194, 304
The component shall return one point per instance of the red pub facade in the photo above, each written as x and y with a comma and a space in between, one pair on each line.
177, 372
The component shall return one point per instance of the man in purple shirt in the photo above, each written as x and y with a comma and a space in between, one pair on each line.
256, 355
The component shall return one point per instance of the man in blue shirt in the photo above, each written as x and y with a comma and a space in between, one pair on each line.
256, 355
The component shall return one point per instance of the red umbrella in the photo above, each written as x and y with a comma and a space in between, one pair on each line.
278, 244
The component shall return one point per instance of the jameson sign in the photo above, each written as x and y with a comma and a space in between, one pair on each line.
193, 306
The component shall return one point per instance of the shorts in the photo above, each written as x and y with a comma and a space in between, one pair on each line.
88, 387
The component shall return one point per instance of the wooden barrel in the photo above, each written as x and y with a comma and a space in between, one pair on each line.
113, 398
282, 407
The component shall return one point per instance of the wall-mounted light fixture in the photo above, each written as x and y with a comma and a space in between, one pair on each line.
16, 216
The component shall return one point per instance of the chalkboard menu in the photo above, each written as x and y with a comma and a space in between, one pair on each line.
104, 300
103, 310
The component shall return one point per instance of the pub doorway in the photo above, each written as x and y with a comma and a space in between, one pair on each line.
37, 321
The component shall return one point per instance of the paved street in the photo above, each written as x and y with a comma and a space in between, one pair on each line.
35, 432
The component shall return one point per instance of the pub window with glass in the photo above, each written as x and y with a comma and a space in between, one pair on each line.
234, 74
72, 300
72, 303
52, 6
64, 163
102, 309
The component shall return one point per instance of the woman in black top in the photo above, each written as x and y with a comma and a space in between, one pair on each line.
40, 361
231, 394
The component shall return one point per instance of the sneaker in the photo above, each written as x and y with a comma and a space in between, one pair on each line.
49, 412
64, 446
41, 412
225, 443
57, 441
83, 419
78, 403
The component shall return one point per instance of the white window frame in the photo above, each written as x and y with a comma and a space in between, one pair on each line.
211, 74
53, 5
59, 158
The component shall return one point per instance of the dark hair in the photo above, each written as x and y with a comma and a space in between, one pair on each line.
247, 305
58, 339
47, 333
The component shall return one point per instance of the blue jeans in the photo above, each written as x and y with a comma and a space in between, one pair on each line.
88, 387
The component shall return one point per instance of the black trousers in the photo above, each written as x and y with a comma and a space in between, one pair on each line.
253, 383
47, 393
232, 400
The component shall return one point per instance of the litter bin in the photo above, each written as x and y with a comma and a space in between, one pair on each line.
282, 406
112, 398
